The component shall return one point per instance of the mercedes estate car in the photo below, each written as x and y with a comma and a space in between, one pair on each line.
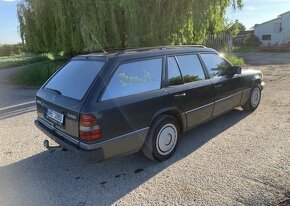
117, 103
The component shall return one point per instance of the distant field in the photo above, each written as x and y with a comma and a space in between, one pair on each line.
19, 60
23, 59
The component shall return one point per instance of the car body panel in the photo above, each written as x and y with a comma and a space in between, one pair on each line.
125, 121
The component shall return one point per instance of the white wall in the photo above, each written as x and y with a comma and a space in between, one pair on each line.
267, 28
285, 28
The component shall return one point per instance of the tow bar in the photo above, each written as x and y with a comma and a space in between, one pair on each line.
55, 148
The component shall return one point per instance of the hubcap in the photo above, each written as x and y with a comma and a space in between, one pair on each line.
255, 98
166, 139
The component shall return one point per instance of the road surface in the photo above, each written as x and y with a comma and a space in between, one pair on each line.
240, 158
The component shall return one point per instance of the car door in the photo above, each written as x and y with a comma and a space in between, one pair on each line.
228, 87
132, 97
189, 89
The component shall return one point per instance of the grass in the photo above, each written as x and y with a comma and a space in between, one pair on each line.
245, 49
24, 59
235, 60
37, 74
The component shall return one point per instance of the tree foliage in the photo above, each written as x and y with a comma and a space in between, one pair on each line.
236, 27
73, 26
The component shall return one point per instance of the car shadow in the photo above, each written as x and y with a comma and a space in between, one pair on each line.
61, 178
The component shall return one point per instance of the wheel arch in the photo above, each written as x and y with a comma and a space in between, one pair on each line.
256, 80
176, 113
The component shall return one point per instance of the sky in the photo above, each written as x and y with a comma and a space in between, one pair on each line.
254, 12
259, 11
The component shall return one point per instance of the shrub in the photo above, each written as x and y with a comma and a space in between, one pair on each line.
235, 60
37, 74
252, 41
11, 49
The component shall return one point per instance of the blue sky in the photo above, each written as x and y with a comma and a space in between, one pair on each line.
259, 11
254, 11
8, 22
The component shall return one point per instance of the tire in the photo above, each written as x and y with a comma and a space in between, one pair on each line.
162, 140
254, 99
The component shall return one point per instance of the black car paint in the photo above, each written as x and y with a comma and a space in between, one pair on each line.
125, 121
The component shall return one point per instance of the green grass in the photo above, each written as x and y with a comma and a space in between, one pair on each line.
235, 60
24, 59
37, 74
245, 49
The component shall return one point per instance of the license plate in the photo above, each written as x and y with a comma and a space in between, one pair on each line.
56, 116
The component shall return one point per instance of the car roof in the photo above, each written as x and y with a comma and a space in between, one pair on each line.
146, 51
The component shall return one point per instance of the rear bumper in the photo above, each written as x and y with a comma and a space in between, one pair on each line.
122, 145
90, 155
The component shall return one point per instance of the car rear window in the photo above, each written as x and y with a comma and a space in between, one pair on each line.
74, 79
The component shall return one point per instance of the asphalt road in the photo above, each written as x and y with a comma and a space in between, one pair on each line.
11, 94
14, 100
240, 158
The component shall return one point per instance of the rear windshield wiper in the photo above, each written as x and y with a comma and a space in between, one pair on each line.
54, 90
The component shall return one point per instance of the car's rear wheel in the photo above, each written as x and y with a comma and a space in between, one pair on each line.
254, 99
162, 139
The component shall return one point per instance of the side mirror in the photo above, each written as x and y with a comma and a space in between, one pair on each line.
236, 70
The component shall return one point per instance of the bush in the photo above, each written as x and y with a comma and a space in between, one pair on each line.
11, 49
37, 74
252, 41
235, 60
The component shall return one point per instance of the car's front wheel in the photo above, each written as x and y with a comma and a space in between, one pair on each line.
254, 99
162, 139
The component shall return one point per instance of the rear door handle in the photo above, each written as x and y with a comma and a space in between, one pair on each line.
180, 95
218, 85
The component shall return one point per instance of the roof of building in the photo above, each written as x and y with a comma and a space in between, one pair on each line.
284, 13
279, 16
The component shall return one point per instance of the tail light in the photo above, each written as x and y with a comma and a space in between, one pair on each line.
89, 128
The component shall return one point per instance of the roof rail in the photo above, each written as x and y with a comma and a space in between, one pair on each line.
161, 47
194, 45
145, 48
125, 50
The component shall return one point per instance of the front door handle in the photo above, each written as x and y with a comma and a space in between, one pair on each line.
180, 95
218, 85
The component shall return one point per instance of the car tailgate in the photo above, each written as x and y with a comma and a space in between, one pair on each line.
59, 114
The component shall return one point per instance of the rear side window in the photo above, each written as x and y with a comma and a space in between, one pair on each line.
174, 75
215, 64
191, 68
133, 78
75, 78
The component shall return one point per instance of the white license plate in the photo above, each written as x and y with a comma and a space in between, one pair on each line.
58, 117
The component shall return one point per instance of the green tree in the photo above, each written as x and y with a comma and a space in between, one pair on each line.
235, 28
77, 26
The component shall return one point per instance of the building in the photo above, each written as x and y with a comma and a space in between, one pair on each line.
275, 32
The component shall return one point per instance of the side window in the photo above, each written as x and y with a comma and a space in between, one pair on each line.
174, 76
215, 64
133, 78
191, 68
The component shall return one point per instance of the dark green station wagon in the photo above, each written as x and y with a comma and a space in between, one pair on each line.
118, 103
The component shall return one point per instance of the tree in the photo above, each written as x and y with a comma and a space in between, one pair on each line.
236, 28
77, 26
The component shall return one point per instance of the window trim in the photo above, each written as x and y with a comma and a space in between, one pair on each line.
115, 68
206, 76
93, 82
167, 79
216, 53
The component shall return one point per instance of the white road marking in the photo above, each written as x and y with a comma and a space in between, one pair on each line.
16, 105
17, 112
